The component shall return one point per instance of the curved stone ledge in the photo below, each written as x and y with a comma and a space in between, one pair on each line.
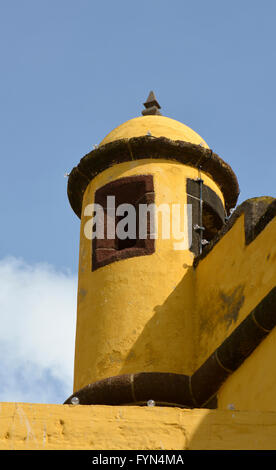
182, 390
143, 147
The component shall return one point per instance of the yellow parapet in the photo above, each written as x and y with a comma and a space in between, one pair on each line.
64, 427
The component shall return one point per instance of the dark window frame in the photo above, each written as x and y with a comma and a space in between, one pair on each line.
138, 189
212, 208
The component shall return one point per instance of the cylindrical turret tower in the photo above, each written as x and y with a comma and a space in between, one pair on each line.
135, 311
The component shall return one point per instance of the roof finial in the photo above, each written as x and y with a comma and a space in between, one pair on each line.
152, 106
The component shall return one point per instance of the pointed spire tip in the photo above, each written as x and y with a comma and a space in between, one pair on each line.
151, 105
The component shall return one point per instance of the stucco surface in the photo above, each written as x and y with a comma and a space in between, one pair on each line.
36, 426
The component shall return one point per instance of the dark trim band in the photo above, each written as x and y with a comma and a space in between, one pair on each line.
198, 390
143, 147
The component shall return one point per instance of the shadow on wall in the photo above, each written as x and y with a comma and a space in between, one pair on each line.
228, 430
166, 342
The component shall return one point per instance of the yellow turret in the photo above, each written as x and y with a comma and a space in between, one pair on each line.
136, 297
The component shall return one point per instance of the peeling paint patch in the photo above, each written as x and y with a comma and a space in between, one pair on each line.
82, 293
24, 420
232, 303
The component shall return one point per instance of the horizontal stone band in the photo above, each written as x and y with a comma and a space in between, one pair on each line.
183, 390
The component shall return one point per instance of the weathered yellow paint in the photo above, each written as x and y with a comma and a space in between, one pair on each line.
136, 314
26, 426
253, 385
230, 282
158, 126
159, 313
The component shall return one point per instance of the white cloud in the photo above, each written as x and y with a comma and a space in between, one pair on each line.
37, 334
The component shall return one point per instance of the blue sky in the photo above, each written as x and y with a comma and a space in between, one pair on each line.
71, 71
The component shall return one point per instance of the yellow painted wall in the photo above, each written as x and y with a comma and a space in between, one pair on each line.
230, 282
159, 126
137, 314
26, 426
253, 385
